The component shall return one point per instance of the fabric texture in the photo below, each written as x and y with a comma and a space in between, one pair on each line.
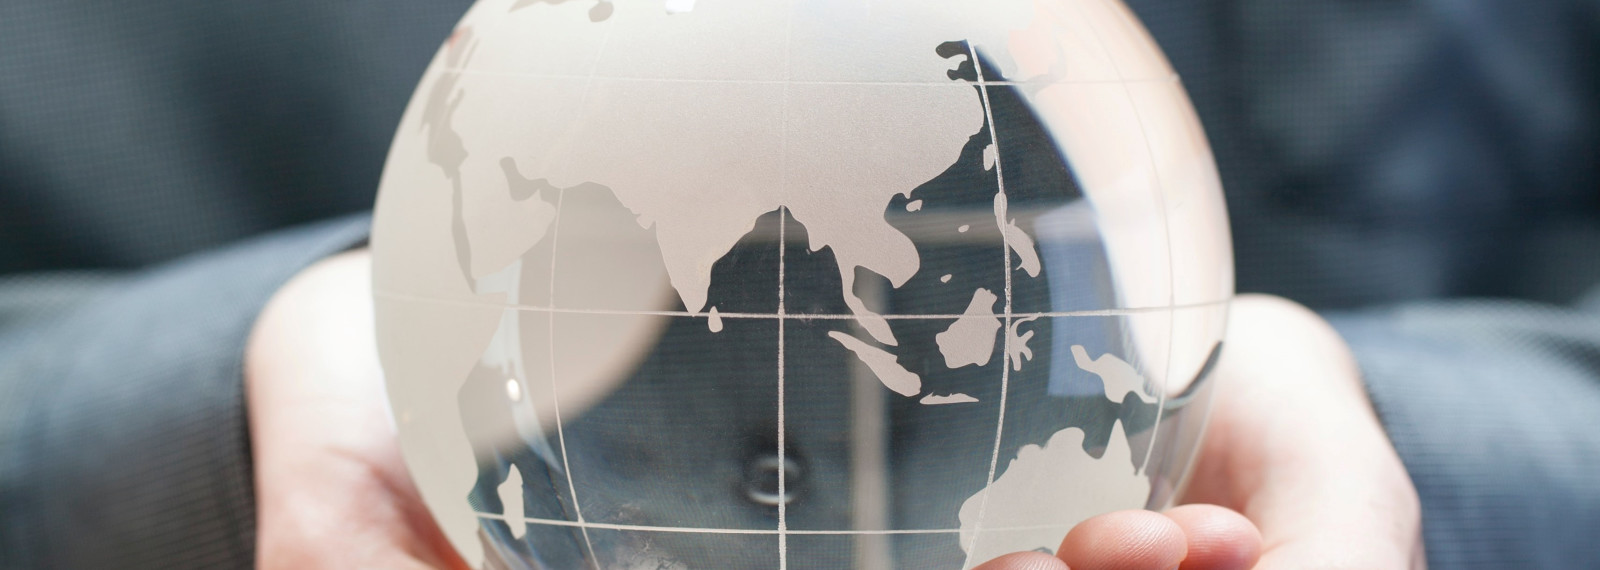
30, 299
123, 435
1492, 406
135, 133
1374, 154
1380, 152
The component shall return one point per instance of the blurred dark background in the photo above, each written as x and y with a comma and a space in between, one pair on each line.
1373, 151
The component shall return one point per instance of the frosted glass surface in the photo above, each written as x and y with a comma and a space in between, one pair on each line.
729, 284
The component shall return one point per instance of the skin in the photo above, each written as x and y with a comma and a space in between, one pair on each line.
331, 490
1295, 470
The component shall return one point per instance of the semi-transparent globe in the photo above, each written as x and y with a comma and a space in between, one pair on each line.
726, 284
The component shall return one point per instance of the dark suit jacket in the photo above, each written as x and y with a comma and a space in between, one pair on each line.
1375, 154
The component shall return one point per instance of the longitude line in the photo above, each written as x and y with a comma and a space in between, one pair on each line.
1005, 364
550, 360
555, 399
783, 249
1166, 232
783, 471
1172, 298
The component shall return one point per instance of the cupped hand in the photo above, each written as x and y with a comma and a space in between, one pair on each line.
331, 490
1294, 472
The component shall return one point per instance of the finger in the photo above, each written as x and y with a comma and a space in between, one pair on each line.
1024, 561
1124, 540
1295, 446
1218, 538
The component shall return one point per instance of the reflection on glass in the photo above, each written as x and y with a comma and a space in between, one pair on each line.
726, 284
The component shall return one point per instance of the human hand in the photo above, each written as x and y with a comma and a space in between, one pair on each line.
331, 489
1293, 445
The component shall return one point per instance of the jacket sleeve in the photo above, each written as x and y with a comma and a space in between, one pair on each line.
1495, 408
123, 434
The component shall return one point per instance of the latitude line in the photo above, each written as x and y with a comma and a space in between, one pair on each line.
1005, 364
568, 76
755, 531
792, 316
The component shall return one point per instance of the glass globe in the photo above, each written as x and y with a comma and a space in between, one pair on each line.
726, 284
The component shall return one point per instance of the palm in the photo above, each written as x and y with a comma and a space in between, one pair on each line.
331, 489
1293, 446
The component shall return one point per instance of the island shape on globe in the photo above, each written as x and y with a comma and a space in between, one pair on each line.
727, 284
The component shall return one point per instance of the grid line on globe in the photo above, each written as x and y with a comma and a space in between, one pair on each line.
1161, 393
783, 474
1107, 344
759, 531
1001, 203
781, 82
561, 436
815, 316
561, 439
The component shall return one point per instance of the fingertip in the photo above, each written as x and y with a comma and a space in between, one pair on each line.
1218, 538
1124, 540
1024, 561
